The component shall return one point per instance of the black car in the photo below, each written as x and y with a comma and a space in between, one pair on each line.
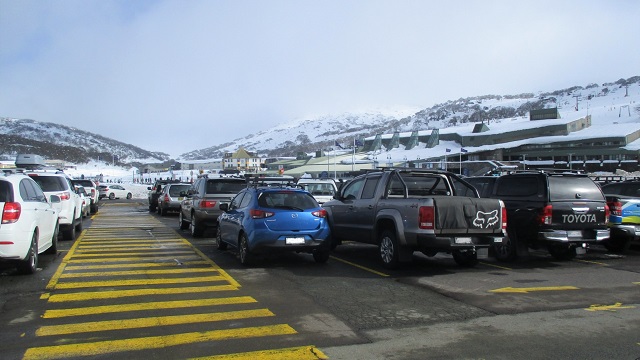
156, 190
564, 212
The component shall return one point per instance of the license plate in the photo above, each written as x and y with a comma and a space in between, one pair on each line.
463, 240
294, 240
180, 198
574, 234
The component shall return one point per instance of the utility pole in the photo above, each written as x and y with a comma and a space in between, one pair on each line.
577, 97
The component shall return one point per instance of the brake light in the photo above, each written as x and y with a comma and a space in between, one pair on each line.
426, 217
65, 195
545, 216
607, 213
11, 212
322, 213
261, 214
615, 207
504, 218
208, 203
166, 197
93, 192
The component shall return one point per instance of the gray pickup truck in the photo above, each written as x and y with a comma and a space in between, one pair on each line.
407, 210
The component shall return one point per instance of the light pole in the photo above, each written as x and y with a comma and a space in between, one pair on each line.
389, 161
405, 161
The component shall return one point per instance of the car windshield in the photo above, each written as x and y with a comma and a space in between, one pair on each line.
225, 187
50, 183
287, 200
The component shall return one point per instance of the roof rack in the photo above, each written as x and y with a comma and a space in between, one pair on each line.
406, 169
273, 181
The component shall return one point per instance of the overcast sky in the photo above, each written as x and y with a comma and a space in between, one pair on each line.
180, 75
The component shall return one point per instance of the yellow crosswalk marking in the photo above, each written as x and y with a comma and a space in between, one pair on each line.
297, 353
114, 294
110, 283
138, 272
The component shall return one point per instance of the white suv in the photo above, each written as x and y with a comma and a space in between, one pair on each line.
92, 189
55, 182
29, 223
321, 189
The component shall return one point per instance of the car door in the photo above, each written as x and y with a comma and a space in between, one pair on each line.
39, 211
343, 214
230, 222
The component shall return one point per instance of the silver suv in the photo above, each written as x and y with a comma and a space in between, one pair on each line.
55, 182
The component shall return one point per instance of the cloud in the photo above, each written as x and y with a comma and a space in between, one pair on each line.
176, 76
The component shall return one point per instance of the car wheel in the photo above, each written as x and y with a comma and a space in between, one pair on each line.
389, 249
617, 245
152, 208
220, 245
321, 256
79, 225
162, 211
562, 252
466, 258
196, 230
507, 251
69, 233
30, 264
112, 196
129, 196
54, 241
94, 208
243, 250
181, 223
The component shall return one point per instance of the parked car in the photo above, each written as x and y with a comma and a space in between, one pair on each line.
156, 190
272, 219
321, 189
171, 197
201, 206
562, 212
623, 199
54, 182
92, 189
407, 210
113, 191
29, 224
85, 200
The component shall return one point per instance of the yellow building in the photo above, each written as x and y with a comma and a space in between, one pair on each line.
243, 160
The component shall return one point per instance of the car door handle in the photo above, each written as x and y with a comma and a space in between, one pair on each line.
370, 207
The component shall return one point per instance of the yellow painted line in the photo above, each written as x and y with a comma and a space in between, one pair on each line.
133, 282
171, 264
146, 306
137, 258
204, 257
100, 240
359, 266
153, 342
138, 272
145, 253
591, 262
137, 244
295, 353
613, 307
496, 266
54, 279
148, 322
116, 294
531, 289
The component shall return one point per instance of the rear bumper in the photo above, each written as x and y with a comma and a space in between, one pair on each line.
266, 241
591, 236
447, 243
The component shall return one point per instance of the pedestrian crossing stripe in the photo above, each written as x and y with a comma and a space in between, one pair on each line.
295, 353
115, 294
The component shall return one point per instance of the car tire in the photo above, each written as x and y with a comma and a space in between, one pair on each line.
112, 196
466, 258
508, 250
321, 256
220, 245
129, 196
389, 249
195, 229
244, 254
562, 252
30, 264
94, 208
162, 211
79, 225
152, 208
53, 249
617, 245
69, 233
181, 223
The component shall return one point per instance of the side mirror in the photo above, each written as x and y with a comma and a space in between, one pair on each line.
54, 199
224, 206
149, 188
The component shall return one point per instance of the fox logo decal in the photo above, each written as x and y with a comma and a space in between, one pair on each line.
486, 219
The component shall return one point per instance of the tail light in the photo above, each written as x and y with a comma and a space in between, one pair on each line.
504, 218
261, 214
426, 217
545, 216
208, 203
607, 212
65, 196
93, 192
11, 212
615, 207
166, 197
322, 213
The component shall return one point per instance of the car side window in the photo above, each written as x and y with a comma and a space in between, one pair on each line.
39, 193
353, 189
6, 193
370, 186
235, 203
27, 192
246, 200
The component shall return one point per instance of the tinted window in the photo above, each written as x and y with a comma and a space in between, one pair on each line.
28, 192
370, 187
85, 183
517, 186
287, 200
483, 185
224, 187
352, 190
6, 192
572, 188
50, 183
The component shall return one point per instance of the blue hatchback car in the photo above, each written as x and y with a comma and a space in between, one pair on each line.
267, 219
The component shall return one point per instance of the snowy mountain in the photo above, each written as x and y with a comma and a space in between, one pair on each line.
308, 135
